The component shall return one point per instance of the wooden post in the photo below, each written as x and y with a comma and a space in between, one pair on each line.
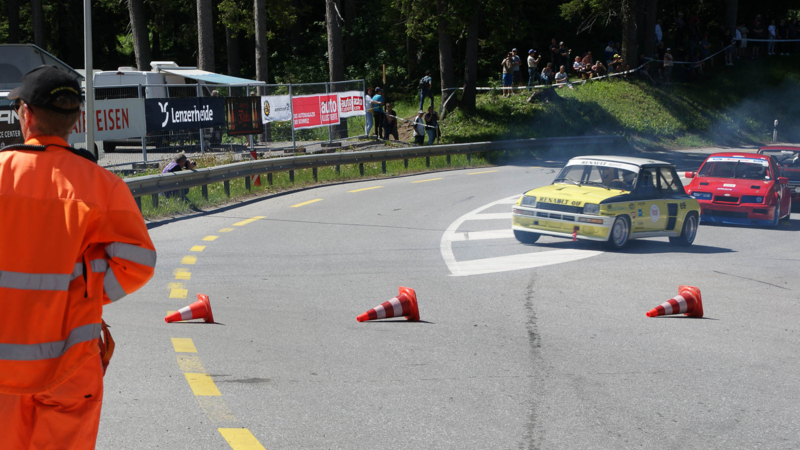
154, 199
227, 186
204, 191
314, 174
383, 166
361, 169
291, 176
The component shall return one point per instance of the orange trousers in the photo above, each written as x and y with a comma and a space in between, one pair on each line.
64, 418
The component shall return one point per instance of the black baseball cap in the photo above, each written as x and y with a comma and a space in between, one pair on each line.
42, 85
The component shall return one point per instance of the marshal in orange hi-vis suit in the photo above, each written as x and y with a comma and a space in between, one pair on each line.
71, 240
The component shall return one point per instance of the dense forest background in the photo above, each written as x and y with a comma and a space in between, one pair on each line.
291, 40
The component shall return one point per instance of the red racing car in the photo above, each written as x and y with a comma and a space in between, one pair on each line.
741, 189
788, 158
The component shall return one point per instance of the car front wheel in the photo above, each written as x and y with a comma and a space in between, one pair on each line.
620, 232
688, 232
526, 237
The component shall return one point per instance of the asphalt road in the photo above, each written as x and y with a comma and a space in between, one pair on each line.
556, 356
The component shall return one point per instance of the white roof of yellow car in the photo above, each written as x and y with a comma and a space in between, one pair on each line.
622, 159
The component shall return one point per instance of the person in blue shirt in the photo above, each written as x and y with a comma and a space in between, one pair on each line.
377, 111
425, 88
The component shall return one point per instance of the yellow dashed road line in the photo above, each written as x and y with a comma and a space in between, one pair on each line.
189, 260
429, 179
307, 203
245, 222
202, 385
178, 293
210, 238
183, 345
485, 171
366, 189
240, 439
182, 274
197, 248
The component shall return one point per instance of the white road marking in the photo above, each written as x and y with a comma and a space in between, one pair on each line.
502, 263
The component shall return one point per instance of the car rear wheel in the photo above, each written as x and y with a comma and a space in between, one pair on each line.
620, 232
526, 237
688, 232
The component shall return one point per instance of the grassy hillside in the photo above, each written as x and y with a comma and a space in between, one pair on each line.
729, 106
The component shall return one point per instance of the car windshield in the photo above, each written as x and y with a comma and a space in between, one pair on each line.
746, 169
788, 160
607, 177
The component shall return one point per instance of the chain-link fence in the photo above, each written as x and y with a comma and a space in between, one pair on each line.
157, 148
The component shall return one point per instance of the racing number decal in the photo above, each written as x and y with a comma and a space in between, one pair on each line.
655, 213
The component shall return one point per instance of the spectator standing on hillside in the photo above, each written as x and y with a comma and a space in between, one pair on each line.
368, 112
419, 128
772, 33
508, 77
425, 88
555, 60
390, 123
783, 34
377, 111
432, 121
533, 67
659, 33
743, 31
563, 54
547, 74
516, 71
668, 63
562, 77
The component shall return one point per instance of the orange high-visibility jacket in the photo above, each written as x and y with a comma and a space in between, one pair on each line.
71, 240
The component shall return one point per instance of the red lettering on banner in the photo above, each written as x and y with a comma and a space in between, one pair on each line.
125, 122
116, 118
97, 117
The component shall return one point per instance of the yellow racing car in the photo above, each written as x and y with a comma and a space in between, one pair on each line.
610, 199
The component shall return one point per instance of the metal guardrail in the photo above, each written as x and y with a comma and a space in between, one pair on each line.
156, 184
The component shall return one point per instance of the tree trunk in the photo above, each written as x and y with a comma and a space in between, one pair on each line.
13, 21
333, 23
731, 7
156, 50
262, 51
38, 23
350, 42
141, 40
446, 69
630, 47
232, 44
650, 33
471, 66
205, 36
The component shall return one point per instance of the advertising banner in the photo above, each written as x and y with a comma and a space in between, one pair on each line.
311, 111
351, 103
242, 115
275, 108
10, 132
114, 119
165, 114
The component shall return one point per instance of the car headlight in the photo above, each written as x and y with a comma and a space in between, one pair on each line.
528, 201
591, 208
702, 195
752, 199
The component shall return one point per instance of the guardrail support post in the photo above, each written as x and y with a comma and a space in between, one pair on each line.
269, 178
383, 166
291, 176
154, 200
427, 161
314, 174
448, 160
227, 186
361, 169
508, 156
469, 159
338, 169
405, 163
204, 191
247, 183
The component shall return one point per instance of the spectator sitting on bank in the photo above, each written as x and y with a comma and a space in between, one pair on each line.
561, 76
615, 64
547, 74
419, 128
598, 69
587, 60
577, 66
390, 123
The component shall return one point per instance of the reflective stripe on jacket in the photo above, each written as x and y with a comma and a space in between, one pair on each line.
71, 240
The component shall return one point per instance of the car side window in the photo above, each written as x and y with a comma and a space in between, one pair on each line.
669, 182
646, 186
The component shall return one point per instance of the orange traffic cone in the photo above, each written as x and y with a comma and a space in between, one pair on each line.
405, 304
688, 301
201, 309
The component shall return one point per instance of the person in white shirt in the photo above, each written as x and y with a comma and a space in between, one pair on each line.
561, 76
368, 110
773, 34
533, 67
419, 128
